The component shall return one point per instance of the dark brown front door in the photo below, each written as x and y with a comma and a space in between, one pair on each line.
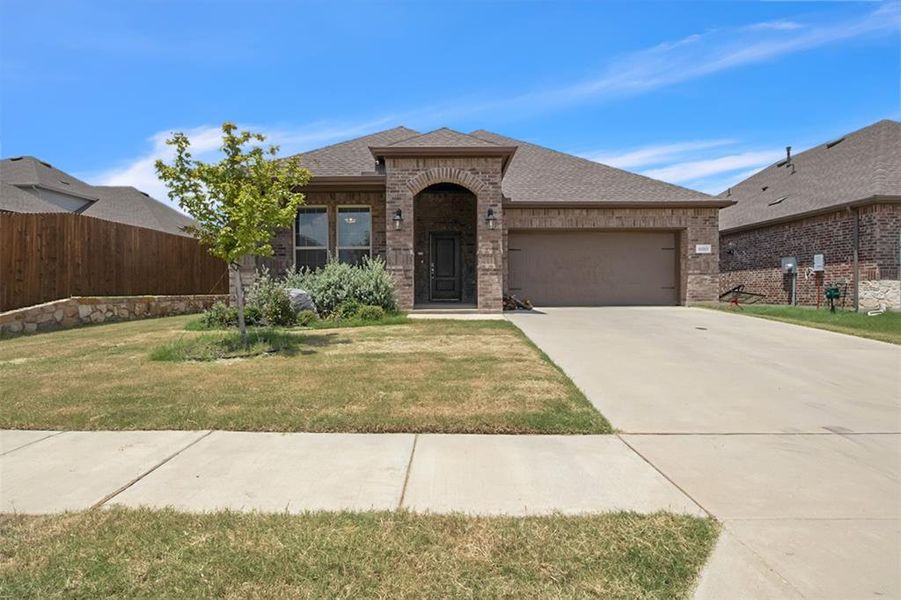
444, 267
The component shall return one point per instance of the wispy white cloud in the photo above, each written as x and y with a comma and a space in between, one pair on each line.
778, 25
654, 154
696, 56
140, 171
697, 169
706, 165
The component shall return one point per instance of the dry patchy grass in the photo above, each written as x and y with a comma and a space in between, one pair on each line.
440, 376
165, 554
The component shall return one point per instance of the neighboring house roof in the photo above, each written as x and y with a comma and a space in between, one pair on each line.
129, 205
534, 174
28, 171
13, 199
350, 158
541, 175
20, 176
859, 166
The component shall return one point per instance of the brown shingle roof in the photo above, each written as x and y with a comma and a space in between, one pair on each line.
538, 174
858, 166
350, 158
535, 174
125, 204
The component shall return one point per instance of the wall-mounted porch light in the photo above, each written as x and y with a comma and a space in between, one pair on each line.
398, 218
490, 219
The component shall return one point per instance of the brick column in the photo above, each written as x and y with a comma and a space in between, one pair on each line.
399, 242
490, 259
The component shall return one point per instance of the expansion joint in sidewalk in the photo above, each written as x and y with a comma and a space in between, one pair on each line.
403, 491
109, 497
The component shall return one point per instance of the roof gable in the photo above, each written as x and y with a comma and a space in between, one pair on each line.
854, 167
31, 171
13, 199
350, 158
444, 138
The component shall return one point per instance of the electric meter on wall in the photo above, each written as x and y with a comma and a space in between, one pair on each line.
819, 263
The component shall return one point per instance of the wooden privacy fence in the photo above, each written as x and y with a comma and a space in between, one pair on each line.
46, 257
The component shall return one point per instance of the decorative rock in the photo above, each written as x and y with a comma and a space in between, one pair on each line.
301, 300
14, 327
58, 314
84, 311
30, 327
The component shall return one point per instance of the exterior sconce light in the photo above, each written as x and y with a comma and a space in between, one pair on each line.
490, 219
398, 218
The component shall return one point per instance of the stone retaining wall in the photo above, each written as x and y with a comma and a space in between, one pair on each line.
81, 310
880, 294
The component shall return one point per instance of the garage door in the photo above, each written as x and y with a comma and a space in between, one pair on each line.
593, 268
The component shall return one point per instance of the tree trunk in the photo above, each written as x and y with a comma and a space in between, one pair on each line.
239, 299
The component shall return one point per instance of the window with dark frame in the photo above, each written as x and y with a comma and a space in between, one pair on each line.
311, 237
354, 234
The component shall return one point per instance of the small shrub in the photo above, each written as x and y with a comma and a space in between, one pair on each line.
270, 296
371, 313
337, 283
218, 316
346, 310
305, 318
224, 316
253, 316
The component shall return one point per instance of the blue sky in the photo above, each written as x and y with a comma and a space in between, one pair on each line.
697, 93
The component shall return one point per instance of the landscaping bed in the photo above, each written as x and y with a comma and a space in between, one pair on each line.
885, 327
416, 376
165, 554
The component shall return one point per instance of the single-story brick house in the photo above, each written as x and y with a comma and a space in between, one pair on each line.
839, 202
462, 219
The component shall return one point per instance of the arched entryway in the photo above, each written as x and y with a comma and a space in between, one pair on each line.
445, 245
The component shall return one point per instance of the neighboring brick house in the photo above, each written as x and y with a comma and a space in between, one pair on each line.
841, 200
462, 219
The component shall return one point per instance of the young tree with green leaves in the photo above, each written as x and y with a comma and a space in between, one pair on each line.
238, 202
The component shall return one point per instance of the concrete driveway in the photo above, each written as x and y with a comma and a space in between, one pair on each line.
790, 436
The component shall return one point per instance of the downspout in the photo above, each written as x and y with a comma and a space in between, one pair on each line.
856, 241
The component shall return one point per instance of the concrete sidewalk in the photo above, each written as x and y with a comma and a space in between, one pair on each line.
47, 472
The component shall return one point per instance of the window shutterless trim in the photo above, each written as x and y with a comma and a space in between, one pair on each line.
296, 225
338, 246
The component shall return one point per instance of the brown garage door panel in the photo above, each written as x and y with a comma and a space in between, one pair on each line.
593, 268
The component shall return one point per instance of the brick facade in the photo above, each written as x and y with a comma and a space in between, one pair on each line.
753, 257
405, 179
698, 273
283, 242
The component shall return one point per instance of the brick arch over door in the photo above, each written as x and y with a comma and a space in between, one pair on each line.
444, 175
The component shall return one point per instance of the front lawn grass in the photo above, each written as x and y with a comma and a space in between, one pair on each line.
166, 554
885, 327
226, 345
425, 376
